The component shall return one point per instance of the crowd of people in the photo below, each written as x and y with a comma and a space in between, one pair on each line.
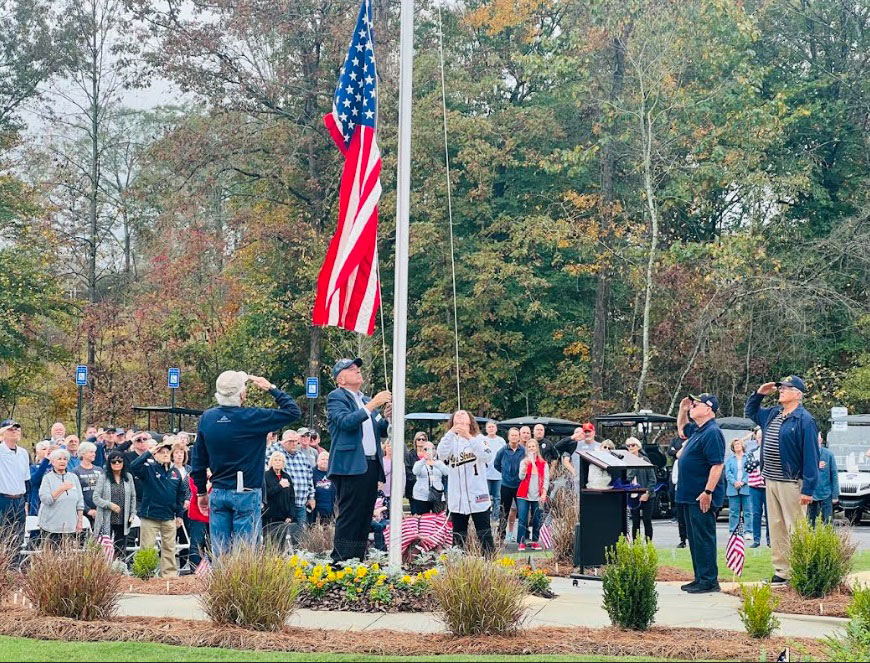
249, 474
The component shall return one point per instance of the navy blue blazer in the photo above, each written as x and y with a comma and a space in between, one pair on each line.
345, 418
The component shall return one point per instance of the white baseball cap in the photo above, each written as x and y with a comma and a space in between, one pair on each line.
230, 383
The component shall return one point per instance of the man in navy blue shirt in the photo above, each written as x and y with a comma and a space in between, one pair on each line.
700, 488
230, 441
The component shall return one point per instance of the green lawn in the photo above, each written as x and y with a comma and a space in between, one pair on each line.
757, 566
23, 649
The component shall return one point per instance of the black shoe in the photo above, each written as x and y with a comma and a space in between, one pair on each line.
681, 544
689, 586
755, 545
704, 589
778, 581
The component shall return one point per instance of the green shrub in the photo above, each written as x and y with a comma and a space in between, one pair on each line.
756, 613
852, 645
859, 608
630, 595
479, 596
820, 558
146, 561
74, 582
252, 587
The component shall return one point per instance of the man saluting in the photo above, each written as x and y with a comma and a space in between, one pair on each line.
355, 457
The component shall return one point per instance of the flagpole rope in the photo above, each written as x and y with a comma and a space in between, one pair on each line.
378, 265
449, 205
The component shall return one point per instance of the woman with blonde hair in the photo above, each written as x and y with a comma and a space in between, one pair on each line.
464, 451
534, 484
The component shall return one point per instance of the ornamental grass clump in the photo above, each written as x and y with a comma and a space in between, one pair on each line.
629, 583
252, 587
9, 546
74, 582
820, 557
477, 596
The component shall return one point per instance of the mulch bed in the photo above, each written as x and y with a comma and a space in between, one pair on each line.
833, 605
335, 599
682, 643
665, 573
172, 587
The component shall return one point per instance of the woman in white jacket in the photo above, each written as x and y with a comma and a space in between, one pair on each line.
466, 454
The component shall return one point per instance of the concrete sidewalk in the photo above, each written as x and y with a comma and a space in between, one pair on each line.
575, 606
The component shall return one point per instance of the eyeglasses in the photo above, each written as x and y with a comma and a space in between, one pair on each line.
140, 439
117, 461
785, 387
15, 427
697, 403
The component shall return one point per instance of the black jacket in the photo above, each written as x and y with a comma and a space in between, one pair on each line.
163, 489
280, 502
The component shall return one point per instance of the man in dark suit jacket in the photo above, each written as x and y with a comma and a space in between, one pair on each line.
355, 457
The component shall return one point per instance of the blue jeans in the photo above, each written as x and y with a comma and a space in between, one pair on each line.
233, 517
523, 507
736, 504
495, 495
300, 519
701, 530
12, 520
823, 508
198, 532
378, 527
758, 497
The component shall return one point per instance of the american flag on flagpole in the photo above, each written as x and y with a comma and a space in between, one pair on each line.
348, 292
735, 551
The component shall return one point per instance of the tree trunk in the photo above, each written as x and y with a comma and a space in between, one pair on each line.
646, 119
602, 286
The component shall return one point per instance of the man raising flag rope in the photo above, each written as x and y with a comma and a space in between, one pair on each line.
348, 292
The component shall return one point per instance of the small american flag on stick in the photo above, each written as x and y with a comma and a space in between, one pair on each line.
203, 568
735, 551
108, 546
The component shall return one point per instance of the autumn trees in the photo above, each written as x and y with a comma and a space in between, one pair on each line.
649, 198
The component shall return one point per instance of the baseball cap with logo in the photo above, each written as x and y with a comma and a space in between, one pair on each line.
7, 424
231, 383
793, 381
342, 364
707, 399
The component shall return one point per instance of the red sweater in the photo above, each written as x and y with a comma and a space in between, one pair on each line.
193, 510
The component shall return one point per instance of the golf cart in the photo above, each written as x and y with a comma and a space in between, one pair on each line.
641, 424
849, 440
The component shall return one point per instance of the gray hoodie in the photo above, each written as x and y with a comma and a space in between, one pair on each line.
59, 516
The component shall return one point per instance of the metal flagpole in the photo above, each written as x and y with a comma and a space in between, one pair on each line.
400, 303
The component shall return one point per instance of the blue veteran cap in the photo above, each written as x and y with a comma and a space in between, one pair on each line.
342, 364
707, 399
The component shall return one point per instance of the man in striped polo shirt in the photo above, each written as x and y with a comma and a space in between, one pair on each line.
789, 462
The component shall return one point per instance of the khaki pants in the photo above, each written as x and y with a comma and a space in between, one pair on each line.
148, 539
783, 512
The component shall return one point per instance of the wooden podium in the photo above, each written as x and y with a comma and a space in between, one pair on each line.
603, 513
